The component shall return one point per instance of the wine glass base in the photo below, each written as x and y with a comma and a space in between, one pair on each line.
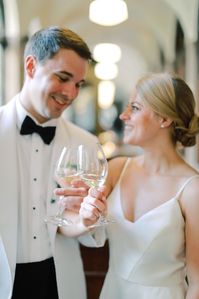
58, 221
102, 222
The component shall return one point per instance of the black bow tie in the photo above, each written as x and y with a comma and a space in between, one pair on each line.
29, 127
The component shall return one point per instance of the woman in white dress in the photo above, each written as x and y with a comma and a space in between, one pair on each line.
154, 197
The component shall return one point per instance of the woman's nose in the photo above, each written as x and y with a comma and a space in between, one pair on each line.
125, 114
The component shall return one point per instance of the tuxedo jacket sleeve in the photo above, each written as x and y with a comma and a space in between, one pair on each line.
66, 250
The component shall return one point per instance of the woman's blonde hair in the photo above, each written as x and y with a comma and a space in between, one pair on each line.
170, 96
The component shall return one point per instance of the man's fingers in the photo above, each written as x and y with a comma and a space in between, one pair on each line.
72, 203
71, 191
78, 183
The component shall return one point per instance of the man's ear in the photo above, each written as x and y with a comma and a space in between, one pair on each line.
30, 65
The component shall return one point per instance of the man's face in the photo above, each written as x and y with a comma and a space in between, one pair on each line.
54, 85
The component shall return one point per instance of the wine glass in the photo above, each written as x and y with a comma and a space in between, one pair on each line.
66, 170
94, 170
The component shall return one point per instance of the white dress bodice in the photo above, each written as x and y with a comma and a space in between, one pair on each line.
147, 257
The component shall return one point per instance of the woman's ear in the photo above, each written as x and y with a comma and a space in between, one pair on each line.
165, 122
30, 65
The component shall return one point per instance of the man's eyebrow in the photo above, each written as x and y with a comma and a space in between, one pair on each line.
65, 73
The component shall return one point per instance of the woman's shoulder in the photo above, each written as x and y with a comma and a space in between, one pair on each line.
190, 195
115, 166
118, 162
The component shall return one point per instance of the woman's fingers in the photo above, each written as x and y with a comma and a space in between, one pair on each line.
93, 203
97, 192
93, 206
76, 198
89, 212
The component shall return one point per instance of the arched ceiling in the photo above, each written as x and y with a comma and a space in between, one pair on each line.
149, 30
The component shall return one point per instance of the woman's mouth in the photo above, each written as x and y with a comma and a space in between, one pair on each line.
127, 128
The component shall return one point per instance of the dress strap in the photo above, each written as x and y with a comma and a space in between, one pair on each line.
185, 184
123, 169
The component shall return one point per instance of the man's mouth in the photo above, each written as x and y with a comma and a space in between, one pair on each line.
60, 100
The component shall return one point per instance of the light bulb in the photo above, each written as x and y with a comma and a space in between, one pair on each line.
108, 12
107, 52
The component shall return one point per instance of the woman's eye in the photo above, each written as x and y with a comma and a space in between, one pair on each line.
134, 108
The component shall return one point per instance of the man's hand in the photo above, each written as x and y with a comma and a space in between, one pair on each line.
73, 195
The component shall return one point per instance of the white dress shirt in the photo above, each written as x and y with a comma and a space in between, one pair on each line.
33, 157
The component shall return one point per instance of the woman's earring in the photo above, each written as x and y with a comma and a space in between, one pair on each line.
162, 126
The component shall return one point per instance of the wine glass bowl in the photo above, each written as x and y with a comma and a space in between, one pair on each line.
66, 170
93, 166
94, 170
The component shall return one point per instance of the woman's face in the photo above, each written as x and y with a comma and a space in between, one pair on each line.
141, 124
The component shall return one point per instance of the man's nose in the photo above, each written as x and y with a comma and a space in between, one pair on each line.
70, 90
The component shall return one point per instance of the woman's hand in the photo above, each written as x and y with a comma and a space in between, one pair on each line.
93, 205
83, 206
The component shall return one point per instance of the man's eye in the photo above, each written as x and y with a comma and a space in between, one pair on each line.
62, 79
79, 85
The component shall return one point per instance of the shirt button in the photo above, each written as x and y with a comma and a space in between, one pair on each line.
33, 208
36, 150
34, 237
35, 179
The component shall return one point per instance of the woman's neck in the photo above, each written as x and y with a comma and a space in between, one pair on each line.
161, 161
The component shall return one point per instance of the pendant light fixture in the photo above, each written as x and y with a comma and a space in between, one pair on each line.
108, 12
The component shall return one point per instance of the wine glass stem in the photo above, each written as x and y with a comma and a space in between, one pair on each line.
60, 207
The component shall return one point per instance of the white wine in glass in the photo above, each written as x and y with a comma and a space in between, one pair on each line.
66, 170
92, 180
94, 170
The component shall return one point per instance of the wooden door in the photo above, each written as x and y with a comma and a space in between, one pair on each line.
95, 262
